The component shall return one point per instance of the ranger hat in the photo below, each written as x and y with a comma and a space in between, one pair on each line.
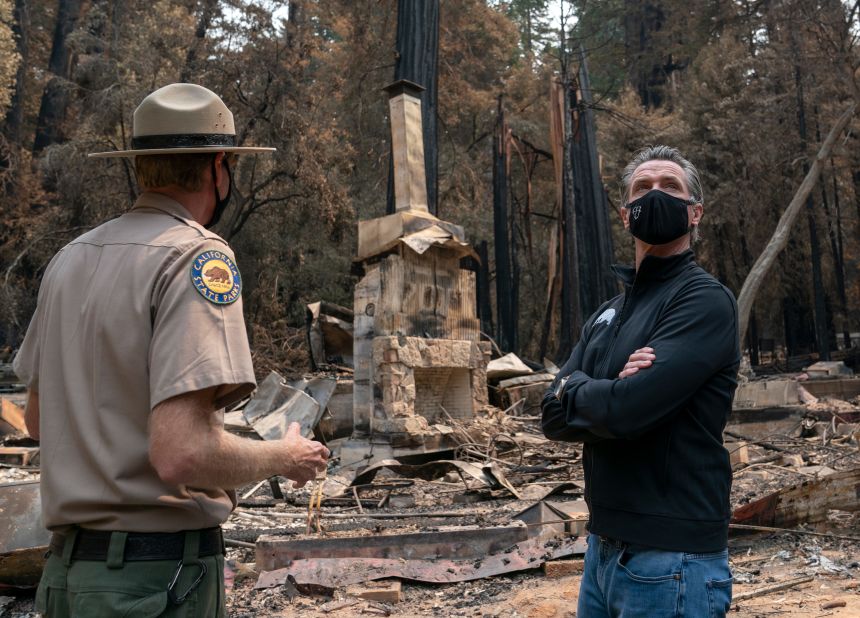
182, 118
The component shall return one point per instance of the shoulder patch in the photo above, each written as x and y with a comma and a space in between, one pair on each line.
216, 277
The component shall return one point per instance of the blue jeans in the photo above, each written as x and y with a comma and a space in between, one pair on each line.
631, 581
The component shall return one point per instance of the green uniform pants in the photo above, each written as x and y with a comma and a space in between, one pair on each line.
115, 588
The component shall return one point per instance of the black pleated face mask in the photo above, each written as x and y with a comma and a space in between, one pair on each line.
658, 218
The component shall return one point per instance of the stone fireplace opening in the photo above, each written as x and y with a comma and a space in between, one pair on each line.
443, 387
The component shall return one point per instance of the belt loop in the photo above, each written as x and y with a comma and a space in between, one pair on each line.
69, 546
116, 550
192, 547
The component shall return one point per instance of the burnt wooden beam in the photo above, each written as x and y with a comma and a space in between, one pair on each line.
461, 544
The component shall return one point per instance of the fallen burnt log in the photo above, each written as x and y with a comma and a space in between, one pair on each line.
342, 571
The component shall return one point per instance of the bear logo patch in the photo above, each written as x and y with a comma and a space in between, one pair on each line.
216, 277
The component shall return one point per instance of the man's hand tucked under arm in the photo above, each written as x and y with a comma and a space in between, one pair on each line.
640, 359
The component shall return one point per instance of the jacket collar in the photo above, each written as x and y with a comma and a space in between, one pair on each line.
654, 268
158, 201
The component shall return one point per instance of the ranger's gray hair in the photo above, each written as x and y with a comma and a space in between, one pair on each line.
661, 152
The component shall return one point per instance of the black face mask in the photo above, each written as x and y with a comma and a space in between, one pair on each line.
220, 203
657, 217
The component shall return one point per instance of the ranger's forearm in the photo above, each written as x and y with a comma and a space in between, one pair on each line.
189, 446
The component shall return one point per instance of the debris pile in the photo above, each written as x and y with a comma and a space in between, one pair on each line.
463, 528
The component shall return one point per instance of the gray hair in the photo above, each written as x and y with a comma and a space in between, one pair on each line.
661, 152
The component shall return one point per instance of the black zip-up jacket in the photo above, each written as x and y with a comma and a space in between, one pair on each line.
656, 470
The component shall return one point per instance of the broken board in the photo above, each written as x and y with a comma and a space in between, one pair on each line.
23, 539
462, 543
13, 414
336, 572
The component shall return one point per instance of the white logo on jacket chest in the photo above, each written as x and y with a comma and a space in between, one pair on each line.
605, 317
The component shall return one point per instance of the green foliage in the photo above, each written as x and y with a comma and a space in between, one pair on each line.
599, 28
533, 22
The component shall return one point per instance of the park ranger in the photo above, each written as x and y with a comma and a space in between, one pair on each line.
137, 343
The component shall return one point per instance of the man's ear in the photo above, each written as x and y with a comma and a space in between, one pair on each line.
220, 172
625, 217
698, 211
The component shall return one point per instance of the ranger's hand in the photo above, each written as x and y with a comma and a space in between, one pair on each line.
640, 359
305, 458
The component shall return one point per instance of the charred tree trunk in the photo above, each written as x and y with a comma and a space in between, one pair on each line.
593, 235
204, 21
556, 242
843, 295
834, 233
515, 268
485, 307
642, 18
295, 16
855, 176
797, 318
417, 59
55, 98
822, 339
571, 315
506, 336
752, 341
118, 13
546, 327
13, 124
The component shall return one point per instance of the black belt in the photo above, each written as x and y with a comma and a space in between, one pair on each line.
93, 544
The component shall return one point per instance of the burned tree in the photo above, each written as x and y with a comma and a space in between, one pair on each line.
505, 285
55, 98
593, 234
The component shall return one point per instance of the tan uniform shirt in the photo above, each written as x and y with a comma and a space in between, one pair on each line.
140, 309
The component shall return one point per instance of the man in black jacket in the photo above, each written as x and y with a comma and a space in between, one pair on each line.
648, 389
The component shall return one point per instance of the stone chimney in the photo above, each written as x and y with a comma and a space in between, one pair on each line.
407, 146
419, 360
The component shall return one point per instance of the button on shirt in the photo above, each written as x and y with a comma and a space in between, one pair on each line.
122, 325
